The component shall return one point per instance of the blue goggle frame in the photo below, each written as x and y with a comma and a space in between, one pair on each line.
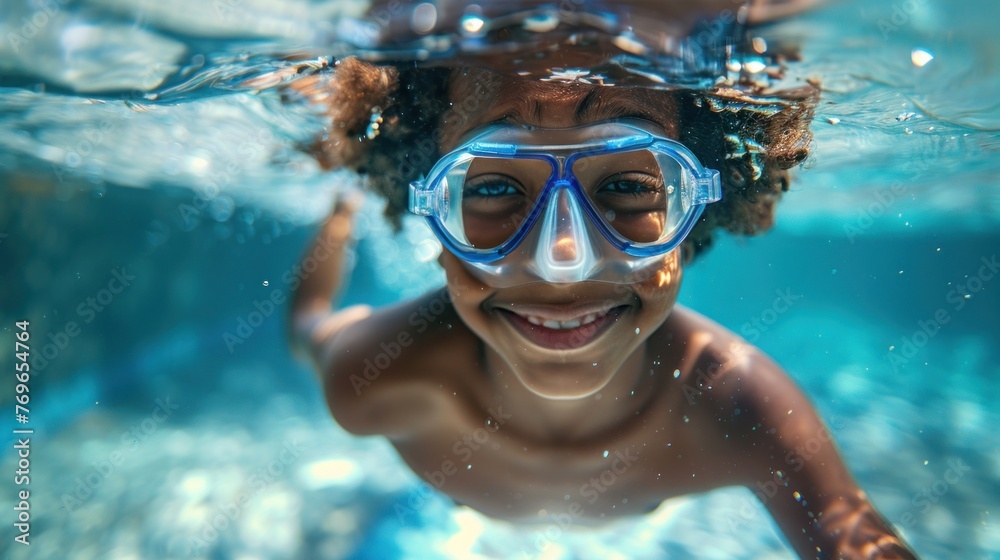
430, 197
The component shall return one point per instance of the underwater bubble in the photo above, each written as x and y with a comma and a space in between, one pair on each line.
677, 373
157, 233
221, 208
265, 282
541, 23
920, 57
424, 18
754, 66
606, 453
472, 25
630, 44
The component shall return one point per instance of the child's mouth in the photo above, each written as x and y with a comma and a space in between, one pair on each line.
567, 334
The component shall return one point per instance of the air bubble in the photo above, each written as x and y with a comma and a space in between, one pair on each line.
424, 18
541, 23
473, 25
920, 57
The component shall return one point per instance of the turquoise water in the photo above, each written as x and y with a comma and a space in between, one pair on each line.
149, 426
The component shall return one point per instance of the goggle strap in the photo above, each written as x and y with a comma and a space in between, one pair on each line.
709, 187
422, 200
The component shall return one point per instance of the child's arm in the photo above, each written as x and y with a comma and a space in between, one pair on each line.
312, 324
819, 507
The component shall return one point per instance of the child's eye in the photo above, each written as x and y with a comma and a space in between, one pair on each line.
634, 184
491, 186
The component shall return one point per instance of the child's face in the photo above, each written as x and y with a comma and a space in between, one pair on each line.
616, 319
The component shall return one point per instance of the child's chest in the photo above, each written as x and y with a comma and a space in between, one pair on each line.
506, 476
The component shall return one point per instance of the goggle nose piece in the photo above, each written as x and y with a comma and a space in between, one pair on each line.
564, 253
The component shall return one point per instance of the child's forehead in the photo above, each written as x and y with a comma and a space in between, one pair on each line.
479, 97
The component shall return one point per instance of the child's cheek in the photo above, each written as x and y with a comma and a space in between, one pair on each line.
467, 292
462, 285
659, 293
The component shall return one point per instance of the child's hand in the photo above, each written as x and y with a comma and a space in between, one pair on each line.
347, 203
338, 224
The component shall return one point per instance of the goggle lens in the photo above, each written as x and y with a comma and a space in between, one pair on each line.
634, 193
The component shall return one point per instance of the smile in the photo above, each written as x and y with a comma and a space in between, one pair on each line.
557, 329
561, 325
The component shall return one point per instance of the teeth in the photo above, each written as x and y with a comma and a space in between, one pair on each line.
571, 324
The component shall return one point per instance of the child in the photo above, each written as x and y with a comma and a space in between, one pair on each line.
557, 331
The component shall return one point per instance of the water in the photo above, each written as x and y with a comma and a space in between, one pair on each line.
131, 146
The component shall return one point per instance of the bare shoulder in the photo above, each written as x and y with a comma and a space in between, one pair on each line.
714, 356
769, 438
390, 371
725, 376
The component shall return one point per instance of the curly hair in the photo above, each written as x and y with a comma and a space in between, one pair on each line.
386, 123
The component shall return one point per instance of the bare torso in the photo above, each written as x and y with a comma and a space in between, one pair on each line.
461, 437
703, 410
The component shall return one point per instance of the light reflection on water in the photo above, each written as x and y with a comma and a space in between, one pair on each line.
861, 52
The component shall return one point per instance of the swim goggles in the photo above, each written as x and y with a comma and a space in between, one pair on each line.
600, 202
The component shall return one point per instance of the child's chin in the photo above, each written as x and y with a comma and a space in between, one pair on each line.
566, 385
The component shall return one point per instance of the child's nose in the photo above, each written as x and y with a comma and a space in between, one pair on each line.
564, 247
564, 251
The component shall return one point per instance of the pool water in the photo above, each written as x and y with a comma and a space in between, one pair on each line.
150, 243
